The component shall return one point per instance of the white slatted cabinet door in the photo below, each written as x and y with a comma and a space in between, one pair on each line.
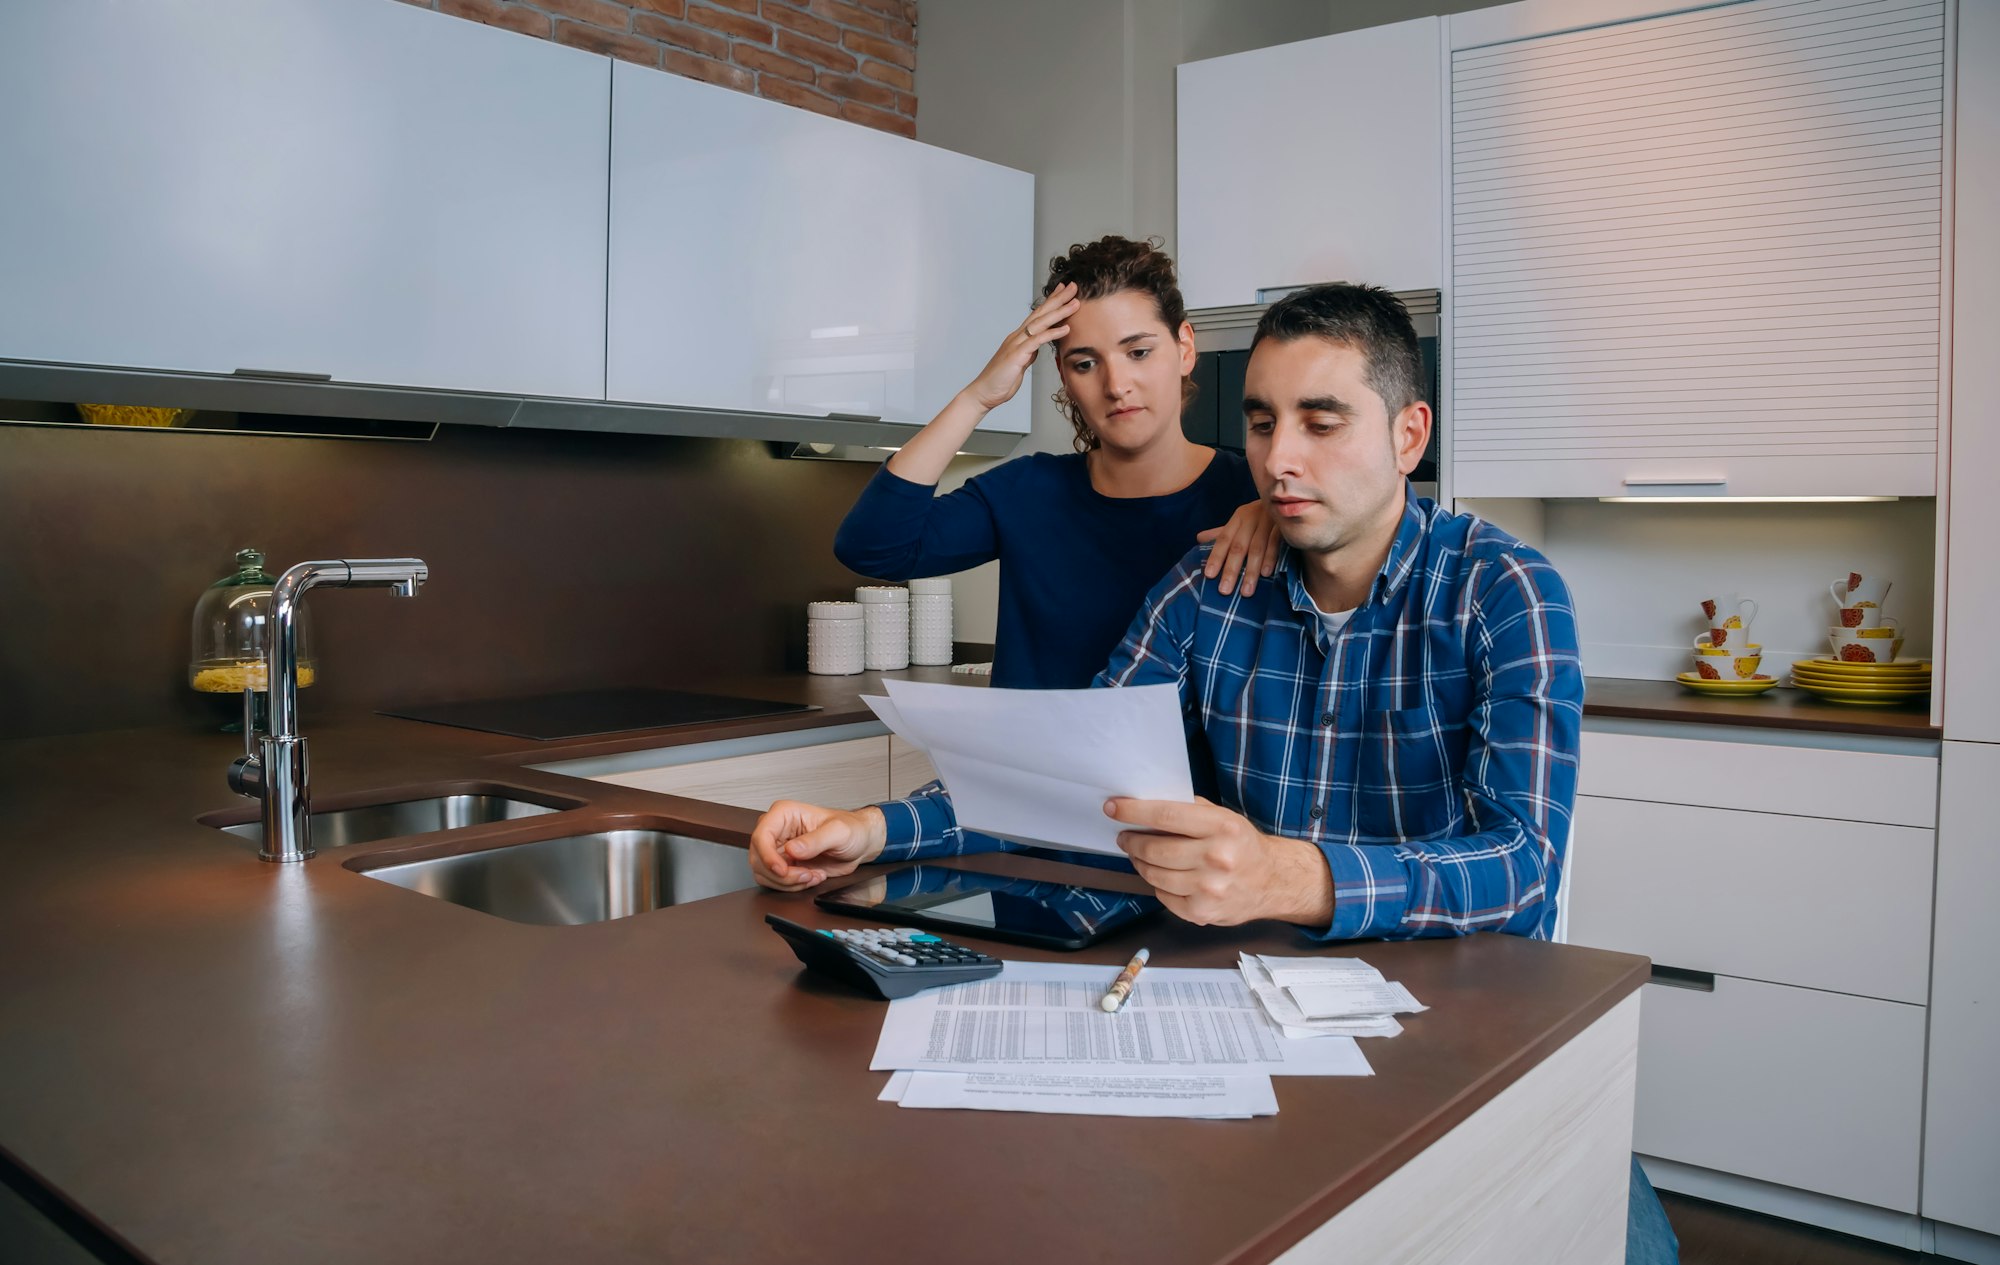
1701, 248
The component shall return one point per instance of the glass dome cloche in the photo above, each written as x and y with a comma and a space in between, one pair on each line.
232, 624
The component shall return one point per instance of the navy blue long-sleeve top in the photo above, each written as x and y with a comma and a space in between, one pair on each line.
1075, 565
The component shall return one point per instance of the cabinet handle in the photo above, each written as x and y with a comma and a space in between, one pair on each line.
1683, 481
284, 375
1680, 977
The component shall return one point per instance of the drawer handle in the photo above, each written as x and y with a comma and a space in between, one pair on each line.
1680, 977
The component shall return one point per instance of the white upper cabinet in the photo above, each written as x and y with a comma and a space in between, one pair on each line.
1320, 160
1702, 250
765, 258
354, 188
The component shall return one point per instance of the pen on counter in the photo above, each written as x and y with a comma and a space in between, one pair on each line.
1121, 988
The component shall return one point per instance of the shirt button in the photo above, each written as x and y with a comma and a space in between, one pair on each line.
1317, 812
1326, 718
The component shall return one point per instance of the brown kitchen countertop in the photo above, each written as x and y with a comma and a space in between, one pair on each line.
220, 1060
1781, 708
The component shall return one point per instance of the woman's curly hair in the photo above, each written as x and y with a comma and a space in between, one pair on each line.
1112, 265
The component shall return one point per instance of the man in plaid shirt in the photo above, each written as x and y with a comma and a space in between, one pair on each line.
1394, 723
1394, 726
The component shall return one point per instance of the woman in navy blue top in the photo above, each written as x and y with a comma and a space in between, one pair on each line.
1082, 536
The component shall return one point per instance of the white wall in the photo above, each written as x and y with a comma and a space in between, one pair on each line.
1638, 572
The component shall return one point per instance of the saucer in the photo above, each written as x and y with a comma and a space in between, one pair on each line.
1728, 689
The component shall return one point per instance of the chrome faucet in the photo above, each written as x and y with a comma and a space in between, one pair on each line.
277, 775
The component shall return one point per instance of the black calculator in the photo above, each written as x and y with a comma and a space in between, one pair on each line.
885, 961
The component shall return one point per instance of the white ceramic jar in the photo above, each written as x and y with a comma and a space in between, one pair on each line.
834, 638
886, 627
930, 621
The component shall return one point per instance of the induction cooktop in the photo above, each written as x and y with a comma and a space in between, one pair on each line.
584, 713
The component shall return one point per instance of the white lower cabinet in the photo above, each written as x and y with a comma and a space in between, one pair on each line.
1962, 1131
1789, 890
1757, 895
844, 774
1814, 1090
909, 768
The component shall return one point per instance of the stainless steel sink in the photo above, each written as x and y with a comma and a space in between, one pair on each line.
410, 817
579, 878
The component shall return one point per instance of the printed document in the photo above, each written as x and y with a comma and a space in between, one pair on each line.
1191, 1097
1043, 1018
1037, 765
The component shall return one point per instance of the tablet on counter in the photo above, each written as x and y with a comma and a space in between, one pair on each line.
1023, 911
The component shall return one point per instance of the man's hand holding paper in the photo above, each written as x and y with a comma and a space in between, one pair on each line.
1212, 866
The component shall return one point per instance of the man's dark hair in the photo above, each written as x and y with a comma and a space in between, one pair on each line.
1367, 318
1112, 265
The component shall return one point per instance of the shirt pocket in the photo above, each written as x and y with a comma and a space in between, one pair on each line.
1409, 777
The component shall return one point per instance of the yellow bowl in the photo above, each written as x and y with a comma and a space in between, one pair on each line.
133, 415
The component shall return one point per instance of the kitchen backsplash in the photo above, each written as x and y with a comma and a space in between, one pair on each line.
1639, 572
557, 561
852, 61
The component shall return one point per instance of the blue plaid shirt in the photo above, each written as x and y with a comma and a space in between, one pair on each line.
1429, 749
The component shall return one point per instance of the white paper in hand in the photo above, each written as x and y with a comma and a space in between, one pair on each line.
1039, 764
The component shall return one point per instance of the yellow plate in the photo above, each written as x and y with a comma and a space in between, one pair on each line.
1739, 689
1861, 694
1867, 687
1920, 686
1909, 667
1872, 700
1896, 675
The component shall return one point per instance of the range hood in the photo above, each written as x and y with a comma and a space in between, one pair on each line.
317, 397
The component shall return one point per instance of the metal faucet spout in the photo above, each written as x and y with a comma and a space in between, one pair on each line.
279, 775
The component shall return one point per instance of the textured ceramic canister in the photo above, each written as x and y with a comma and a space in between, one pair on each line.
930, 622
834, 637
886, 624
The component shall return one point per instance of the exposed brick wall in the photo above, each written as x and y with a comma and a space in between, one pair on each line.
855, 61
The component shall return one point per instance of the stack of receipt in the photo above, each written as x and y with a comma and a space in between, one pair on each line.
1323, 997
